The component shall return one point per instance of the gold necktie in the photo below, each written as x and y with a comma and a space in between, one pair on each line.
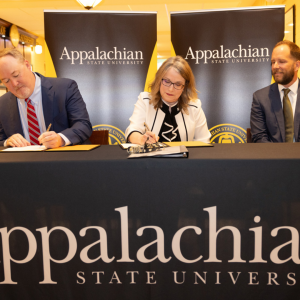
288, 117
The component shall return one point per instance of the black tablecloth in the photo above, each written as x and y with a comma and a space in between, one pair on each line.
219, 151
242, 186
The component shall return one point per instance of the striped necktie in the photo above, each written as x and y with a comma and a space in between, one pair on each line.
288, 117
33, 124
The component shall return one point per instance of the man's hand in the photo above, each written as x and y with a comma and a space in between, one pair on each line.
51, 139
17, 140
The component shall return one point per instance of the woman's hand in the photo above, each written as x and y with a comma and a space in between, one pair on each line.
149, 137
137, 138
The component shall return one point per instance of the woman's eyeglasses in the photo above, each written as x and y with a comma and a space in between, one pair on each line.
177, 85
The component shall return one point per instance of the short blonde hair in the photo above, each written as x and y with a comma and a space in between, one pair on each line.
189, 92
12, 52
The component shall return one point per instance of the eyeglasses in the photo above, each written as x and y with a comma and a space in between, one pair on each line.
177, 85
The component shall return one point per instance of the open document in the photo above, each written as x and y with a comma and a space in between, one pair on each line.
25, 149
178, 151
43, 148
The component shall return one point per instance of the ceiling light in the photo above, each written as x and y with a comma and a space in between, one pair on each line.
38, 49
88, 4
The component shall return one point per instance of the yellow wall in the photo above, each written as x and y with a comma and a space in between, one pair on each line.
38, 60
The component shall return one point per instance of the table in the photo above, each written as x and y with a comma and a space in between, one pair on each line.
96, 225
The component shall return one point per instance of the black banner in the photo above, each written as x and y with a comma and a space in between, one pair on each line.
108, 54
97, 225
229, 52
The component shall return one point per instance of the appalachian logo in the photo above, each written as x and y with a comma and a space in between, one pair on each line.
115, 135
228, 134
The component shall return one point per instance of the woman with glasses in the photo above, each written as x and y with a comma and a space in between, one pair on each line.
171, 110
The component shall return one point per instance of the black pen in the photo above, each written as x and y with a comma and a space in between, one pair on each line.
148, 129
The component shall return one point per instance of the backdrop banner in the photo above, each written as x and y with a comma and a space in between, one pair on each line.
109, 55
229, 52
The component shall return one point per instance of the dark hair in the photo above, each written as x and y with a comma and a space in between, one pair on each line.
294, 49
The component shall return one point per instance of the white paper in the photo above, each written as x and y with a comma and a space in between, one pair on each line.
27, 148
127, 145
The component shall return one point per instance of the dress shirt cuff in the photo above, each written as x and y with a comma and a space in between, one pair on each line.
66, 140
4, 144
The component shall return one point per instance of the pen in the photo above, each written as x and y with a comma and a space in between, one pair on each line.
147, 127
48, 129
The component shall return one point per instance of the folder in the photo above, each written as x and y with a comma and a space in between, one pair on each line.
178, 151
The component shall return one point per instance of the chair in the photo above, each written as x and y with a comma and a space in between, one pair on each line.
99, 137
249, 135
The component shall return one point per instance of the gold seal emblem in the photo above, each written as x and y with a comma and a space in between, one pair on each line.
115, 135
14, 35
228, 134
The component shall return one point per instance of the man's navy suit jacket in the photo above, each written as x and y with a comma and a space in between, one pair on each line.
267, 119
63, 107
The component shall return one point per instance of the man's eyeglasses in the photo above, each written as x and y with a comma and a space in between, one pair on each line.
177, 85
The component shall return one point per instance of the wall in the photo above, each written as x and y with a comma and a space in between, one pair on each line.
288, 4
38, 60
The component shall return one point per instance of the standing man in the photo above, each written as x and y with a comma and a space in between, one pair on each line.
34, 102
275, 112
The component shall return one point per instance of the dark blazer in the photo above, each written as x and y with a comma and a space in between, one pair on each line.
63, 107
267, 120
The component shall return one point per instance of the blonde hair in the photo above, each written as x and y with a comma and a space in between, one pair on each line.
189, 92
12, 52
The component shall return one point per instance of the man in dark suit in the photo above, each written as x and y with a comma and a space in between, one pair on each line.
55, 101
275, 112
